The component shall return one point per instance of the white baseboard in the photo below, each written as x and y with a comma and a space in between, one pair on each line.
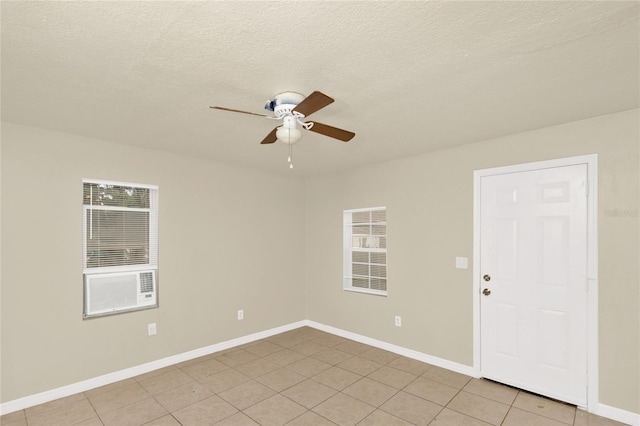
617, 414
409, 353
61, 392
85, 385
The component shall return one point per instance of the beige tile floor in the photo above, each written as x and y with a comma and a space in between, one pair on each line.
303, 377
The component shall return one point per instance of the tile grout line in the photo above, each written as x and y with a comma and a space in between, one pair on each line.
261, 356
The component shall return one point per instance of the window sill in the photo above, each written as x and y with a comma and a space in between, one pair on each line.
366, 291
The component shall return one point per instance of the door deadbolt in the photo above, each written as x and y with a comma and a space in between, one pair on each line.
486, 278
486, 292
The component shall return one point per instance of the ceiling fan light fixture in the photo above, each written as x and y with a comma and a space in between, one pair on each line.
289, 135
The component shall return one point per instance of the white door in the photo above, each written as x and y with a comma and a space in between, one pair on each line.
533, 267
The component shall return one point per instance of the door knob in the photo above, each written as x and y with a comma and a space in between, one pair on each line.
486, 278
486, 292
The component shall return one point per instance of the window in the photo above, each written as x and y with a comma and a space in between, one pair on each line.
365, 250
120, 245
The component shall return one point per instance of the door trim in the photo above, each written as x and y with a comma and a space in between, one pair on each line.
592, 261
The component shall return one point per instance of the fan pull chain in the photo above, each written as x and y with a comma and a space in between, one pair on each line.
290, 159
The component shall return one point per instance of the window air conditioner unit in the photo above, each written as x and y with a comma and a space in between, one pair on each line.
118, 292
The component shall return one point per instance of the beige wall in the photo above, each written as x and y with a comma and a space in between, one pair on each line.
430, 221
230, 239
233, 238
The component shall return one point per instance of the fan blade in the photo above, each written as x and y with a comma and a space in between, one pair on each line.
271, 137
332, 132
312, 103
237, 110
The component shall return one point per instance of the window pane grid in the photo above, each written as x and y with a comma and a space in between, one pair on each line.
366, 245
102, 194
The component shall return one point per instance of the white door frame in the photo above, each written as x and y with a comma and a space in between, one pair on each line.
592, 261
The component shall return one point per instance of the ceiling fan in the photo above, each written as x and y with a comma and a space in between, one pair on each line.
292, 108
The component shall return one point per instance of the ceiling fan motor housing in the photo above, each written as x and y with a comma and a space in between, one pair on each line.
283, 103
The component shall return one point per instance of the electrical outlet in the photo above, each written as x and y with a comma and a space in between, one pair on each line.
240, 314
151, 329
398, 321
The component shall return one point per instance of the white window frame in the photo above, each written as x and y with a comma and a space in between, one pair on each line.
151, 265
348, 251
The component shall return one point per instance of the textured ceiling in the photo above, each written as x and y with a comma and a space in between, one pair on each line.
408, 77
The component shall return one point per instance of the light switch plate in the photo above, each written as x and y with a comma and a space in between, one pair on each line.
462, 263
